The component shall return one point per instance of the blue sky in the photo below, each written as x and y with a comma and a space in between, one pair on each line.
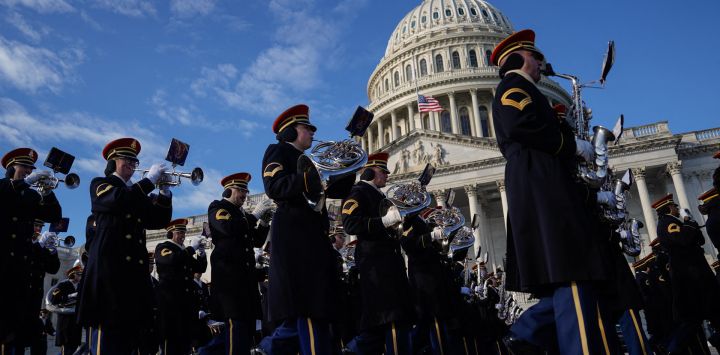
77, 74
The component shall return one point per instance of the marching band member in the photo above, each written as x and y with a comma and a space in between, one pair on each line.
69, 332
555, 258
19, 209
436, 293
694, 290
711, 208
177, 300
303, 284
387, 313
116, 294
235, 234
150, 339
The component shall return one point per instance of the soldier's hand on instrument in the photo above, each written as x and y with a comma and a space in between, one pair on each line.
584, 149
165, 190
437, 233
46, 240
202, 314
261, 208
36, 176
606, 198
685, 214
197, 245
155, 173
465, 291
392, 217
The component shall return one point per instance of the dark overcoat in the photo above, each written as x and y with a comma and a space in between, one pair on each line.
435, 292
234, 276
177, 299
694, 289
712, 225
302, 279
19, 208
384, 288
115, 291
548, 241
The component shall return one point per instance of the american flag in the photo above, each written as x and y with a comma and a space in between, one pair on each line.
428, 104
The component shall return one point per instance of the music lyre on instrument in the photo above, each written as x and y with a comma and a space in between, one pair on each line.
177, 153
330, 159
59, 162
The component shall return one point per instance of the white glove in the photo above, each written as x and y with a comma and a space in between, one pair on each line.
392, 217
584, 149
465, 291
165, 191
155, 173
35, 176
685, 214
202, 314
261, 208
195, 244
437, 233
606, 198
45, 240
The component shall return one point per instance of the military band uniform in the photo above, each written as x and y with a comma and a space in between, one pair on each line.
711, 207
385, 296
69, 332
177, 300
302, 281
21, 206
115, 293
554, 257
235, 234
694, 290
436, 295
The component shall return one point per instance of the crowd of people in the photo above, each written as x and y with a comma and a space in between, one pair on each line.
287, 277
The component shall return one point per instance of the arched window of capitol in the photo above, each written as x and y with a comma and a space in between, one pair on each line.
465, 121
423, 67
456, 60
488, 53
408, 73
397, 78
426, 121
473, 59
439, 68
445, 124
484, 121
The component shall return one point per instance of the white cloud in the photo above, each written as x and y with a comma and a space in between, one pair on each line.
18, 21
281, 74
132, 8
191, 8
30, 68
193, 198
41, 6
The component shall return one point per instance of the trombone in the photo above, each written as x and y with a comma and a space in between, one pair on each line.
172, 178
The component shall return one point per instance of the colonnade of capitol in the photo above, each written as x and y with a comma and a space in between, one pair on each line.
441, 49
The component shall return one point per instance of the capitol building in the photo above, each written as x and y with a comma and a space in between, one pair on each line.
441, 49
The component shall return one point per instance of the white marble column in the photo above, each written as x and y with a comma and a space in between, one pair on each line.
476, 113
454, 121
675, 170
436, 119
503, 200
370, 139
440, 197
411, 116
471, 191
381, 133
648, 211
393, 126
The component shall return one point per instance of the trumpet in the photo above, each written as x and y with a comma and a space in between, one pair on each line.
172, 178
67, 242
205, 242
51, 182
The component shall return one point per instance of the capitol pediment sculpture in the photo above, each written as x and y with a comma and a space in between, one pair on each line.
418, 158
